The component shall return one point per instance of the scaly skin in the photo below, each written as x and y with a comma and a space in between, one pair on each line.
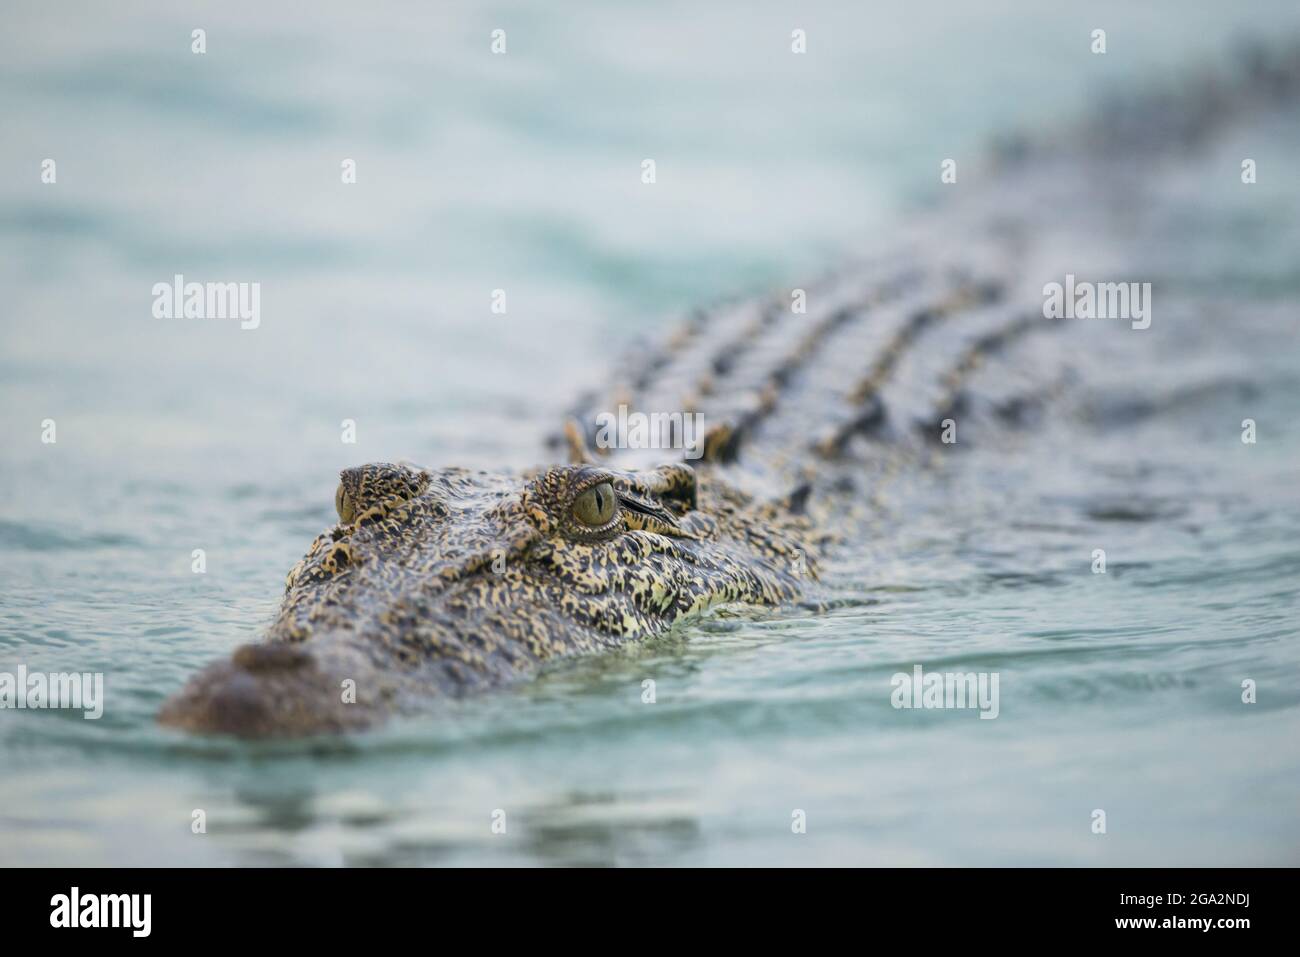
453, 580
442, 582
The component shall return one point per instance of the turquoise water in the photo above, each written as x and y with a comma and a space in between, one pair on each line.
477, 172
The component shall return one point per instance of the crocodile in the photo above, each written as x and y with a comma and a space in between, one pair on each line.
446, 581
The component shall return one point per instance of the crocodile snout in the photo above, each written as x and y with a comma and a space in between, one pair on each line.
270, 689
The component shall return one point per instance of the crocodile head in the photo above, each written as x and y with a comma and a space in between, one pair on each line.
436, 582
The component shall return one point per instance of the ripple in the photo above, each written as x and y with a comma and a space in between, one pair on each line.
35, 537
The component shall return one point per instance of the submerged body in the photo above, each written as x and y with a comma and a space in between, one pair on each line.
443, 581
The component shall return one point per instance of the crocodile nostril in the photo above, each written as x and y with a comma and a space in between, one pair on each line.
258, 659
237, 702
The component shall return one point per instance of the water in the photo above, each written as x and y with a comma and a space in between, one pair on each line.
521, 172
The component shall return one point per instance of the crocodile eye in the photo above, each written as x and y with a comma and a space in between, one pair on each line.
595, 507
343, 505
